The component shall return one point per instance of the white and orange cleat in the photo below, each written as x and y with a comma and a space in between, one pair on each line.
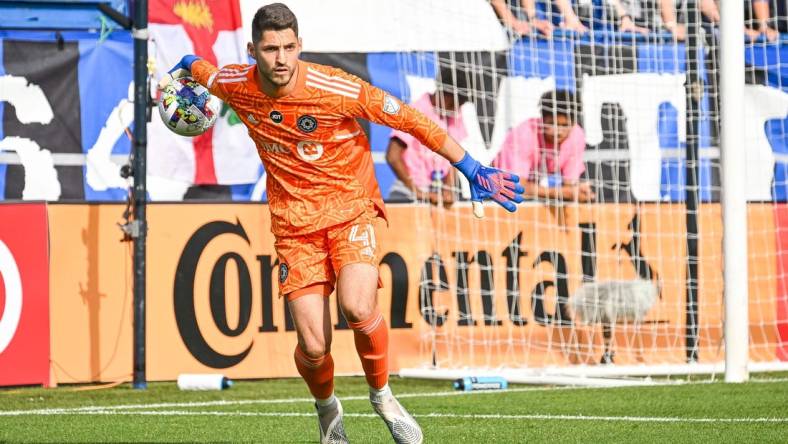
404, 429
332, 430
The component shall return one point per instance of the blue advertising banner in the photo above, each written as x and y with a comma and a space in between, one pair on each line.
66, 113
64, 93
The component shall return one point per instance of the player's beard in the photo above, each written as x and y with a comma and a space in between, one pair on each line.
279, 79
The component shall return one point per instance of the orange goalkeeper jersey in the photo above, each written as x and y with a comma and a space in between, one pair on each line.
317, 157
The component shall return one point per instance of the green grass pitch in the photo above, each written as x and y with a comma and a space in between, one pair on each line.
279, 411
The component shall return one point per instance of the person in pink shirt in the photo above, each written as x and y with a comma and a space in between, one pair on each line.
547, 152
416, 166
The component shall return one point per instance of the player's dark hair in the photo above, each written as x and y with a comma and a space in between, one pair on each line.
453, 82
559, 101
273, 17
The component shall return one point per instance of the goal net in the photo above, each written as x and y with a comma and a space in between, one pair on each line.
613, 266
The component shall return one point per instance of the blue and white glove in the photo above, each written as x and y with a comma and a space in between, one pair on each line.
490, 183
182, 68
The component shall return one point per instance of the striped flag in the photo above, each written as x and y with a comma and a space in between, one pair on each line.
211, 29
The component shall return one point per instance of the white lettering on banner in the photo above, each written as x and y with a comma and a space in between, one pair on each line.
9, 318
101, 172
761, 104
642, 114
41, 182
32, 106
28, 99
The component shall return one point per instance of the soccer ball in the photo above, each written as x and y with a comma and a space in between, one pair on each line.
187, 108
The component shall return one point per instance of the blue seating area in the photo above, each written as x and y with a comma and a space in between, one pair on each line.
566, 56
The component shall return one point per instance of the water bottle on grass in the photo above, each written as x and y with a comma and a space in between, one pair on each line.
469, 383
211, 381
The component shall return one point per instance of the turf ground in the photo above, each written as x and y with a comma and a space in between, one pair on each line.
280, 411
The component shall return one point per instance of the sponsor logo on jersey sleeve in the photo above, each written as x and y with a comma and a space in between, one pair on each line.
390, 105
276, 116
307, 123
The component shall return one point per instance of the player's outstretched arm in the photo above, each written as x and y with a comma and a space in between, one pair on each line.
486, 183
182, 68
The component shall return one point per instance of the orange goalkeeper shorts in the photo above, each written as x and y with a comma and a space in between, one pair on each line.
309, 263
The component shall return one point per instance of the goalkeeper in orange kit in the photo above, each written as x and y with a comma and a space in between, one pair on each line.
324, 199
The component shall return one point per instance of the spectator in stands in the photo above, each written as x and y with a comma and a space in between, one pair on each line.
760, 19
756, 10
547, 151
633, 15
757, 18
710, 12
780, 14
521, 21
569, 19
417, 168
636, 16
670, 20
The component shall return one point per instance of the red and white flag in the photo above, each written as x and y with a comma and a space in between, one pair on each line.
211, 29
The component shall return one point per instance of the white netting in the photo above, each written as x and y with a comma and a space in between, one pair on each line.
502, 292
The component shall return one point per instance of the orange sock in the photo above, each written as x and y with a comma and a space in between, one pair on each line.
372, 345
318, 373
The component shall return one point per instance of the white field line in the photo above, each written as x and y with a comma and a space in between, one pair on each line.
768, 380
658, 419
107, 409
75, 410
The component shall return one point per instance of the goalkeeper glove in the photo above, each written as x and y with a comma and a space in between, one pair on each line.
490, 183
183, 68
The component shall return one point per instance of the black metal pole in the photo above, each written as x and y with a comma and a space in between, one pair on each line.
139, 168
694, 88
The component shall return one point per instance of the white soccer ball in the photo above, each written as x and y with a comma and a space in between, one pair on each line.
187, 108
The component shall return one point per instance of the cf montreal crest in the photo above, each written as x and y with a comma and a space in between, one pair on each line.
283, 271
307, 123
276, 116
